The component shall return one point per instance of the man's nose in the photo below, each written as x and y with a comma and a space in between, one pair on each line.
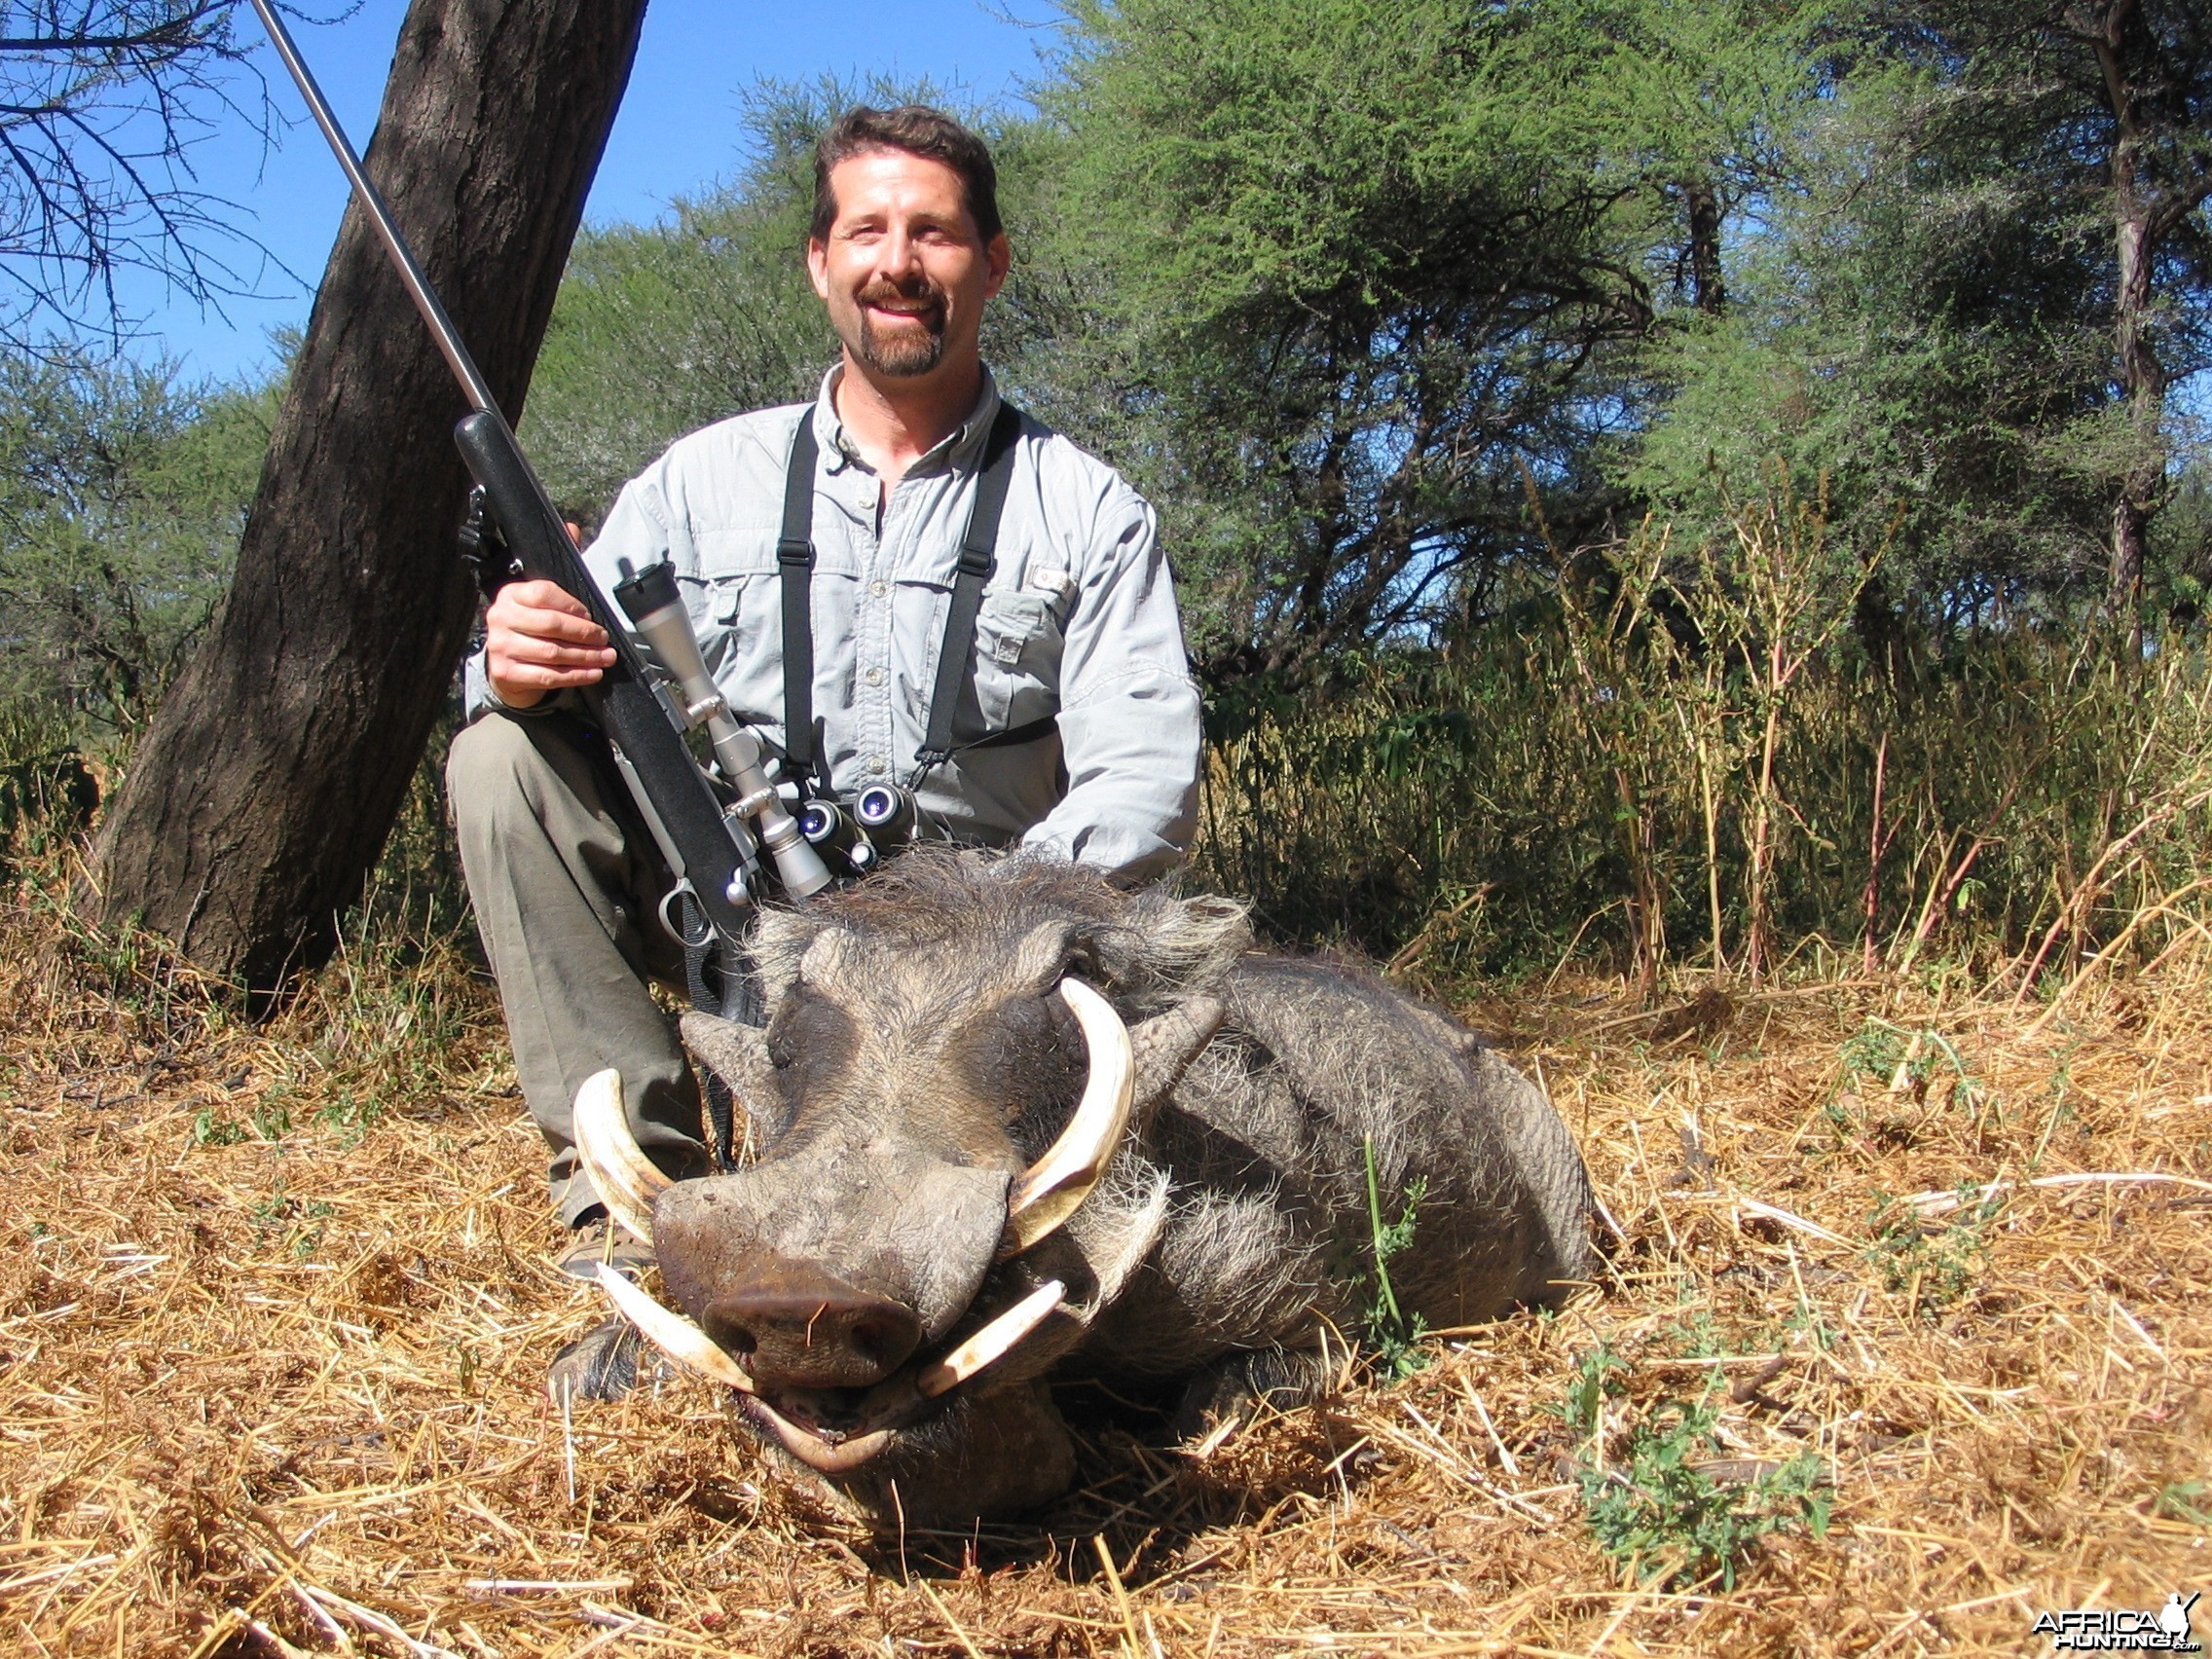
898, 256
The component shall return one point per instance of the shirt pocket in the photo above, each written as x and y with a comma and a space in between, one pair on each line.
737, 616
1018, 660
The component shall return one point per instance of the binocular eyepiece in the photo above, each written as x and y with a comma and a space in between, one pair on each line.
886, 812
831, 832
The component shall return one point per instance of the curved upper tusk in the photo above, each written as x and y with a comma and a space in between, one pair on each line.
673, 1334
991, 1342
1051, 1190
621, 1174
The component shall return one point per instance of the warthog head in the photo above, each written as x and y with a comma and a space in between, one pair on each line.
935, 1209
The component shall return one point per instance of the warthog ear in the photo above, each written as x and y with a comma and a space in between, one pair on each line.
1167, 1044
738, 1055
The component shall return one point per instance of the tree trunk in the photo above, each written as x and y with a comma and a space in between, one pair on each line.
1708, 292
267, 783
2143, 381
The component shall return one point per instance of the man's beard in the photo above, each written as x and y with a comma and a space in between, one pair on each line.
907, 353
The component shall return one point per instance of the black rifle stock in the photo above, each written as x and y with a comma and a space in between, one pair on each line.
623, 704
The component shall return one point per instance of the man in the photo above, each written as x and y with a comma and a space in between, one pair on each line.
1077, 659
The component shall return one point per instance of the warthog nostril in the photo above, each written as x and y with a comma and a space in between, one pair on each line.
801, 1327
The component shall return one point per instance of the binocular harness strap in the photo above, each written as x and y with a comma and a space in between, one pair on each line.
794, 564
976, 563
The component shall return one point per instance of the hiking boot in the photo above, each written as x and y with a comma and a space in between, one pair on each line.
606, 1362
598, 1239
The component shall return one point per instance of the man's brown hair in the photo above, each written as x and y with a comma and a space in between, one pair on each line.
918, 131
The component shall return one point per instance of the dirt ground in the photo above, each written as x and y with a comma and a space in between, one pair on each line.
275, 1305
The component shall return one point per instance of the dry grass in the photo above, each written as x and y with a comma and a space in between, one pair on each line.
274, 1308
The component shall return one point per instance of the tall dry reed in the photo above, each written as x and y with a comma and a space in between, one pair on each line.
1684, 758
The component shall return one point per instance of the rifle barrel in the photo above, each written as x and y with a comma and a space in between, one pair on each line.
373, 203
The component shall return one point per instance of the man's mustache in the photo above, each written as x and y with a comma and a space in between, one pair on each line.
926, 294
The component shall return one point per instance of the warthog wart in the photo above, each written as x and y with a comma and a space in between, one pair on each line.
1010, 1124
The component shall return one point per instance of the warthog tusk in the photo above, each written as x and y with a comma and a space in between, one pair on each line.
673, 1334
620, 1173
812, 1450
991, 1342
690, 1347
1051, 1190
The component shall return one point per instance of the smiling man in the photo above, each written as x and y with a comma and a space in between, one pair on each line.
833, 532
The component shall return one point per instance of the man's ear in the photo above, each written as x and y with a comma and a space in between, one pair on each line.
817, 266
998, 258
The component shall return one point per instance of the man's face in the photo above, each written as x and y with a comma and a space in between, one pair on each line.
904, 269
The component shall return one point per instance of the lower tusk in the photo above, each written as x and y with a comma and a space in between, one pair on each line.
673, 1334
1049, 1191
811, 1449
992, 1342
620, 1173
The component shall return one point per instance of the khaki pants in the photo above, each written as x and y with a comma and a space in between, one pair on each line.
565, 879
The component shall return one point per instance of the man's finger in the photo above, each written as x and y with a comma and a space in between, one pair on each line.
551, 653
542, 679
544, 596
565, 626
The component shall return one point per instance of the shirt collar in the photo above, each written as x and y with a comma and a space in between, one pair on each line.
962, 448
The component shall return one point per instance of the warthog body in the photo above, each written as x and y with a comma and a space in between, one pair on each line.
917, 1060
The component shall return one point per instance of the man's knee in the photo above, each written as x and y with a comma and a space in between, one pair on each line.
496, 775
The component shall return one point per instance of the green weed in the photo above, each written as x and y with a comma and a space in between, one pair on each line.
1934, 1265
303, 1241
2186, 1500
351, 1116
1671, 1524
1654, 1508
1589, 1389
207, 1130
1394, 1338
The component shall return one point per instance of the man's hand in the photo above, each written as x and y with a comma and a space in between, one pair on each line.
538, 638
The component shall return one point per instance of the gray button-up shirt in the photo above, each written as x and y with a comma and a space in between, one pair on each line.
1078, 623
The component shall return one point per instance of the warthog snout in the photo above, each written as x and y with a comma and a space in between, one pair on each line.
794, 1325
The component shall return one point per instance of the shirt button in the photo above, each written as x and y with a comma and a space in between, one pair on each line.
878, 589
875, 765
874, 676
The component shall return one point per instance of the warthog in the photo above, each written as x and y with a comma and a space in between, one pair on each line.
1010, 1124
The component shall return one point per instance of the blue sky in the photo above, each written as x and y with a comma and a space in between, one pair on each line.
677, 130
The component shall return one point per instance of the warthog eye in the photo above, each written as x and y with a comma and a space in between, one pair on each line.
812, 1035
1026, 1057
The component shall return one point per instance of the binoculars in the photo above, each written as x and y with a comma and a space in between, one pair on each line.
858, 837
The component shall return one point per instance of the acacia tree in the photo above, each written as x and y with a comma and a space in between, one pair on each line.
99, 101
2111, 104
1359, 278
271, 777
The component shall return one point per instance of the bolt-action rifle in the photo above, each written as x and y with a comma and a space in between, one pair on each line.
713, 851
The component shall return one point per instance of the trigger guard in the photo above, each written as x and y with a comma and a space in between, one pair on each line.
672, 917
